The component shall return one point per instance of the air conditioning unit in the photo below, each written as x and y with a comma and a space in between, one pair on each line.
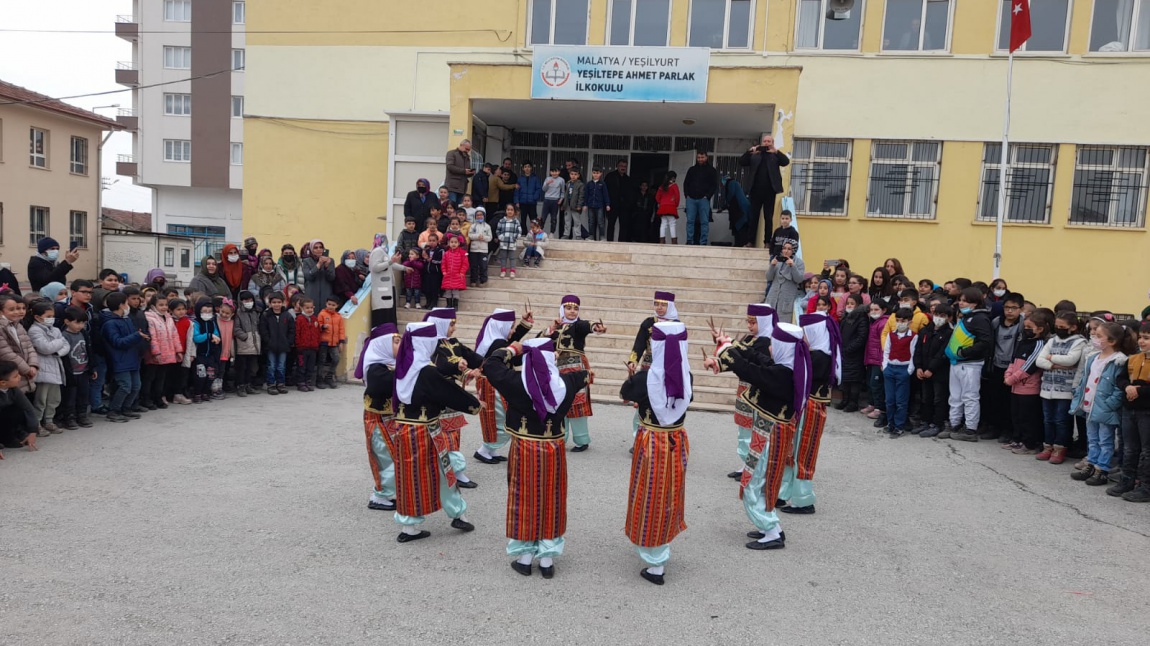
839, 9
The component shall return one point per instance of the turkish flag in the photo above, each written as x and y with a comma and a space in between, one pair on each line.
1019, 23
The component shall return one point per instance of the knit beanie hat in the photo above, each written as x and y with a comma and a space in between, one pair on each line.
45, 244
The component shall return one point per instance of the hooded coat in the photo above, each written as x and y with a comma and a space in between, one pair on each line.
210, 285
16, 346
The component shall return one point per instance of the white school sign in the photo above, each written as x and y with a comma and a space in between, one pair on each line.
671, 74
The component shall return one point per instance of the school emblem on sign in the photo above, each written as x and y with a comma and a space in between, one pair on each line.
555, 71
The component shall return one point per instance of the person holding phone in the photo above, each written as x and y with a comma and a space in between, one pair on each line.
318, 272
46, 267
764, 161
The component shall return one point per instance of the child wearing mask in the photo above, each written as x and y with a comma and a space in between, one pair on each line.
50, 345
121, 343
1059, 360
74, 398
306, 344
855, 328
876, 410
1024, 378
332, 341
1134, 486
907, 299
246, 337
970, 344
897, 367
161, 358
1007, 333
1098, 398
932, 368
226, 322
207, 341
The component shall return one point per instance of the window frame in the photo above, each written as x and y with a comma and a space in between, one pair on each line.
1129, 51
860, 7
631, 25
726, 27
45, 147
1024, 51
239, 54
551, 30
1052, 167
1115, 168
922, 35
78, 166
187, 10
79, 238
185, 58
909, 161
181, 143
184, 99
241, 104
236, 146
813, 159
170, 257
239, 10
34, 234
185, 258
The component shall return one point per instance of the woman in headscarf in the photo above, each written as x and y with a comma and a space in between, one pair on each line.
156, 278
318, 273
656, 500
376, 368
569, 332
640, 358
209, 281
382, 282
291, 265
419, 202
457, 362
777, 396
424, 479
495, 333
347, 280
538, 398
268, 275
761, 321
237, 273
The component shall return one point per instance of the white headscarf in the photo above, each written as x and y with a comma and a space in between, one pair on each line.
766, 316
442, 318
558, 386
422, 347
672, 311
819, 340
380, 351
666, 409
494, 329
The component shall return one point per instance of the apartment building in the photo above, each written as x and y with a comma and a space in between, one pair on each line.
187, 71
891, 111
49, 178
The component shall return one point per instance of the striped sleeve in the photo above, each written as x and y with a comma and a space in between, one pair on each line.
1029, 367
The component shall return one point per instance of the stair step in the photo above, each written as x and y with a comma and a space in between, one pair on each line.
711, 252
484, 299
658, 274
686, 289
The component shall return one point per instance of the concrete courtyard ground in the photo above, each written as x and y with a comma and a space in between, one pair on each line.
246, 523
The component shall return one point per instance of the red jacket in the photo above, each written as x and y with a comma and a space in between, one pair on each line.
455, 267
182, 326
668, 200
307, 332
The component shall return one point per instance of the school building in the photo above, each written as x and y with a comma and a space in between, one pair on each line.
891, 111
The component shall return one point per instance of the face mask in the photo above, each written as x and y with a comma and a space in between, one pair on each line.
349, 263
848, 310
940, 321
902, 327
966, 310
999, 293
479, 219
49, 321
248, 305
235, 257
421, 189
1062, 333
876, 315
53, 254
207, 316
1028, 334
1096, 343
288, 258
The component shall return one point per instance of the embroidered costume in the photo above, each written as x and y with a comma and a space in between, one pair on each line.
570, 343
448, 355
760, 343
640, 356
376, 367
493, 335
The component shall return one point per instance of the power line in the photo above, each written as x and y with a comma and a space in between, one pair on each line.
127, 89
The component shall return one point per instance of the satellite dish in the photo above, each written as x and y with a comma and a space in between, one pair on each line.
839, 9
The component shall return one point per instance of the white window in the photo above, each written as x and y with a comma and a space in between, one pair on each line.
177, 150
178, 10
185, 258
78, 228
179, 105
1049, 24
1120, 26
238, 60
239, 13
1109, 186
237, 154
1029, 183
237, 107
79, 155
169, 256
820, 176
822, 27
178, 58
916, 25
558, 22
904, 179
721, 24
38, 148
639, 23
37, 224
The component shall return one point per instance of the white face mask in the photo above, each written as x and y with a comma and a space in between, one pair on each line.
349, 263
53, 254
940, 321
848, 310
249, 305
50, 321
876, 315
207, 316
999, 293
903, 327
235, 257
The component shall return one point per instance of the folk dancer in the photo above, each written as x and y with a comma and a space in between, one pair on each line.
376, 367
495, 334
538, 397
825, 344
569, 332
454, 361
777, 395
424, 479
640, 358
761, 321
656, 499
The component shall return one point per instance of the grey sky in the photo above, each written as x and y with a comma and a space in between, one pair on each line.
67, 64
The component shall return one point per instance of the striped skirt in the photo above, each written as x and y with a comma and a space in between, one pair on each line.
418, 460
536, 489
452, 422
573, 362
386, 426
807, 451
487, 423
657, 498
744, 416
774, 442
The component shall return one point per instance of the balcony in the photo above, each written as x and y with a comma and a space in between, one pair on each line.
127, 74
128, 119
126, 165
127, 28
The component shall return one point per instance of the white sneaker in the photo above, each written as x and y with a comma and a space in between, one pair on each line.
407, 306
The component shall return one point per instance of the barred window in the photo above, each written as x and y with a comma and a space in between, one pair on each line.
683, 144
1109, 186
1029, 183
904, 179
820, 176
538, 159
520, 139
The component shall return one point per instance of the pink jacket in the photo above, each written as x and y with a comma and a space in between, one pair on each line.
165, 343
1021, 383
16, 346
873, 355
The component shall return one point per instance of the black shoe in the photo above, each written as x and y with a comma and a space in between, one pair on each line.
139, 409
161, 405
501, 458
407, 538
657, 579
242, 392
964, 436
381, 506
776, 544
484, 459
579, 448
809, 509
547, 572
1099, 478
880, 421
735, 475
1083, 474
757, 535
525, 570
273, 391
103, 410
320, 385
84, 421
841, 405
470, 484
851, 408
461, 524
1141, 493
116, 417
1124, 485
991, 435
130, 414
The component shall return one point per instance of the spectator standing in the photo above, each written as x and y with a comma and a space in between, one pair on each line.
785, 233
785, 277
971, 343
738, 206
764, 161
554, 189
382, 282
268, 275
459, 171
481, 187
528, 194
622, 190
418, 202
318, 272
291, 266
252, 249
667, 208
575, 220
644, 223
481, 236
209, 280
237, 273
598, 204
509, 232
347, 281
8, 283
501, 191
855, 329
46, 267
699, 186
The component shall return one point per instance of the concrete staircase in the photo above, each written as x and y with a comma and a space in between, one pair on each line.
616, 283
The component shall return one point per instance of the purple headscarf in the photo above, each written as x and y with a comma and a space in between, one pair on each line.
541, 378
823, 336
669, 379
442, 318
380, 330
767, 317
496, 326
414, 355
789, 349
570, 298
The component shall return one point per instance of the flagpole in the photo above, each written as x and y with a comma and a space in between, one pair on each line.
1003, 171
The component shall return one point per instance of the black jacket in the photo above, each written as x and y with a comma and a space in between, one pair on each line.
413, 207
930, 354
701, 182
622, 189
41, 271
480, 185
772, 386
379, 386
277, 331
9, 279
774, 162
855, 330
634, 389
977, 323
433, 393
522, 420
